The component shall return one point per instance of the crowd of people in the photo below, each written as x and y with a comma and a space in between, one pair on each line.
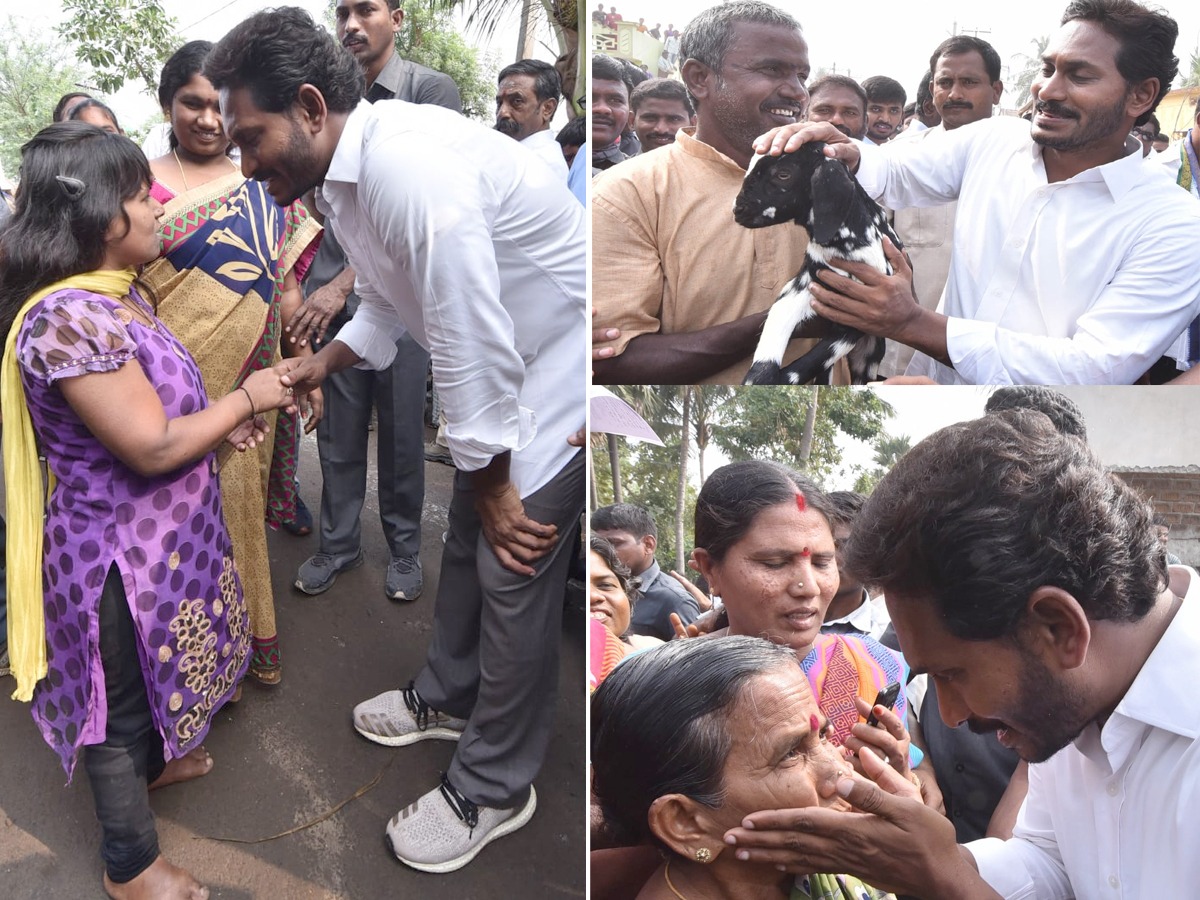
1075, 269
299, 250
981, 656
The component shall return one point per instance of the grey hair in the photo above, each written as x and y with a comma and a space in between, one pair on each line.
708, 36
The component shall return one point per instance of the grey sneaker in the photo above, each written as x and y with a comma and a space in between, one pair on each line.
444, 831
318, 573
404, 580
399, 718
435, 452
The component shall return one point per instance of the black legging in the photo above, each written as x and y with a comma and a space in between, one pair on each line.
132, 755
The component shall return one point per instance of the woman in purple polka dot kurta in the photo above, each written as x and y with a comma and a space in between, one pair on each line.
146, 631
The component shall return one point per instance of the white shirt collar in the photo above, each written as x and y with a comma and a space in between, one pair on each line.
1158, 696
347, 156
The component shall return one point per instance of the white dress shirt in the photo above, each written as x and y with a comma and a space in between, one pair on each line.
869, 617
1114, 814
1171, 160
1084, 281
464, 240
548, 150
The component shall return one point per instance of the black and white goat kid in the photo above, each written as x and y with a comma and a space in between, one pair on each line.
819, 193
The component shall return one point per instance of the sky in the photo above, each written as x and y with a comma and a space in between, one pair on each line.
210, 19
870, 37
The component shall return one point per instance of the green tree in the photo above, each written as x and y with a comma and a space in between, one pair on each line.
1030, 67
771, 424
120, 40
562, 17
1191, 75
888, 450
35, 70
430, 38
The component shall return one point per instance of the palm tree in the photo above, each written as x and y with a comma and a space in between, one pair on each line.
1192, 77
562, 16
1030, 67
889, 449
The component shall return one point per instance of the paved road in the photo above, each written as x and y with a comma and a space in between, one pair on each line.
286, 755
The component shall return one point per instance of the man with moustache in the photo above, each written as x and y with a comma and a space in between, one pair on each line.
680, 290
1074, 262
610, 110
1029, 584
660, 108
885, 108
526, 100
840, 101
367, 28
965, 82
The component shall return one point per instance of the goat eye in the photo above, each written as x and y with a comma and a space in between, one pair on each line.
782, 176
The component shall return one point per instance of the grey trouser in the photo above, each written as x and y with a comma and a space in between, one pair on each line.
494, 656
398, 393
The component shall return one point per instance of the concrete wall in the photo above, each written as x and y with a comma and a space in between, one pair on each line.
1141, 426
1176, 497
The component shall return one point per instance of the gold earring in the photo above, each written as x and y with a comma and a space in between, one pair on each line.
703, 855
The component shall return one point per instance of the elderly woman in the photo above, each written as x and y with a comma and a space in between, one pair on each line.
741, 732
765, 546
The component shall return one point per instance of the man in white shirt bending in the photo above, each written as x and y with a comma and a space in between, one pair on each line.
1029, 583
1073, 263
464, 240
526, 99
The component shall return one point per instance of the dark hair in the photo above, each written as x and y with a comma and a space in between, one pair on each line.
881, 89
660, 725
1147, 39
924, 93
628, 581
546, 83
1062, 411
910, 108
966, 43
1160, 521
661, 89
979, 515
708, 36
605, 68
635, 75
734, 495
276, 51
843, 81
177, 71
58, 227
1153, 120
846, 506
574, 133
624, 517
92, 103
64, 100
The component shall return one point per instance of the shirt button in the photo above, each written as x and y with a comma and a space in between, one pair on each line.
1112, 880
1017, 243
1112, 789
1042, 192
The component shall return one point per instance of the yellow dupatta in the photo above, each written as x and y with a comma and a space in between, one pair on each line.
27, 495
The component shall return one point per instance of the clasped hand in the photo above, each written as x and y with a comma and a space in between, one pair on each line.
516, 539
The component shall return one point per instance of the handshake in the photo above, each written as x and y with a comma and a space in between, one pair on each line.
289, 385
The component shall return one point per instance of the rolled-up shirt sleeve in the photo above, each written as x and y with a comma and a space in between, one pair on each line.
1029, 865
374, 329
434, 216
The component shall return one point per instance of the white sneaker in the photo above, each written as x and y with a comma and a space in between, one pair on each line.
399, 718
443, 831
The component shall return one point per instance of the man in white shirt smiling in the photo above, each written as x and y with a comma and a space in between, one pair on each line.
474, 247
1073, 262
1030, 585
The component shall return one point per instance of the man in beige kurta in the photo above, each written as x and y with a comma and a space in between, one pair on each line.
667, 256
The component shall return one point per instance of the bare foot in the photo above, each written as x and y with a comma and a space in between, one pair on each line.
162, 881
193, 765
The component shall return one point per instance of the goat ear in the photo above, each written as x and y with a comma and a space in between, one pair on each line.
832, 196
